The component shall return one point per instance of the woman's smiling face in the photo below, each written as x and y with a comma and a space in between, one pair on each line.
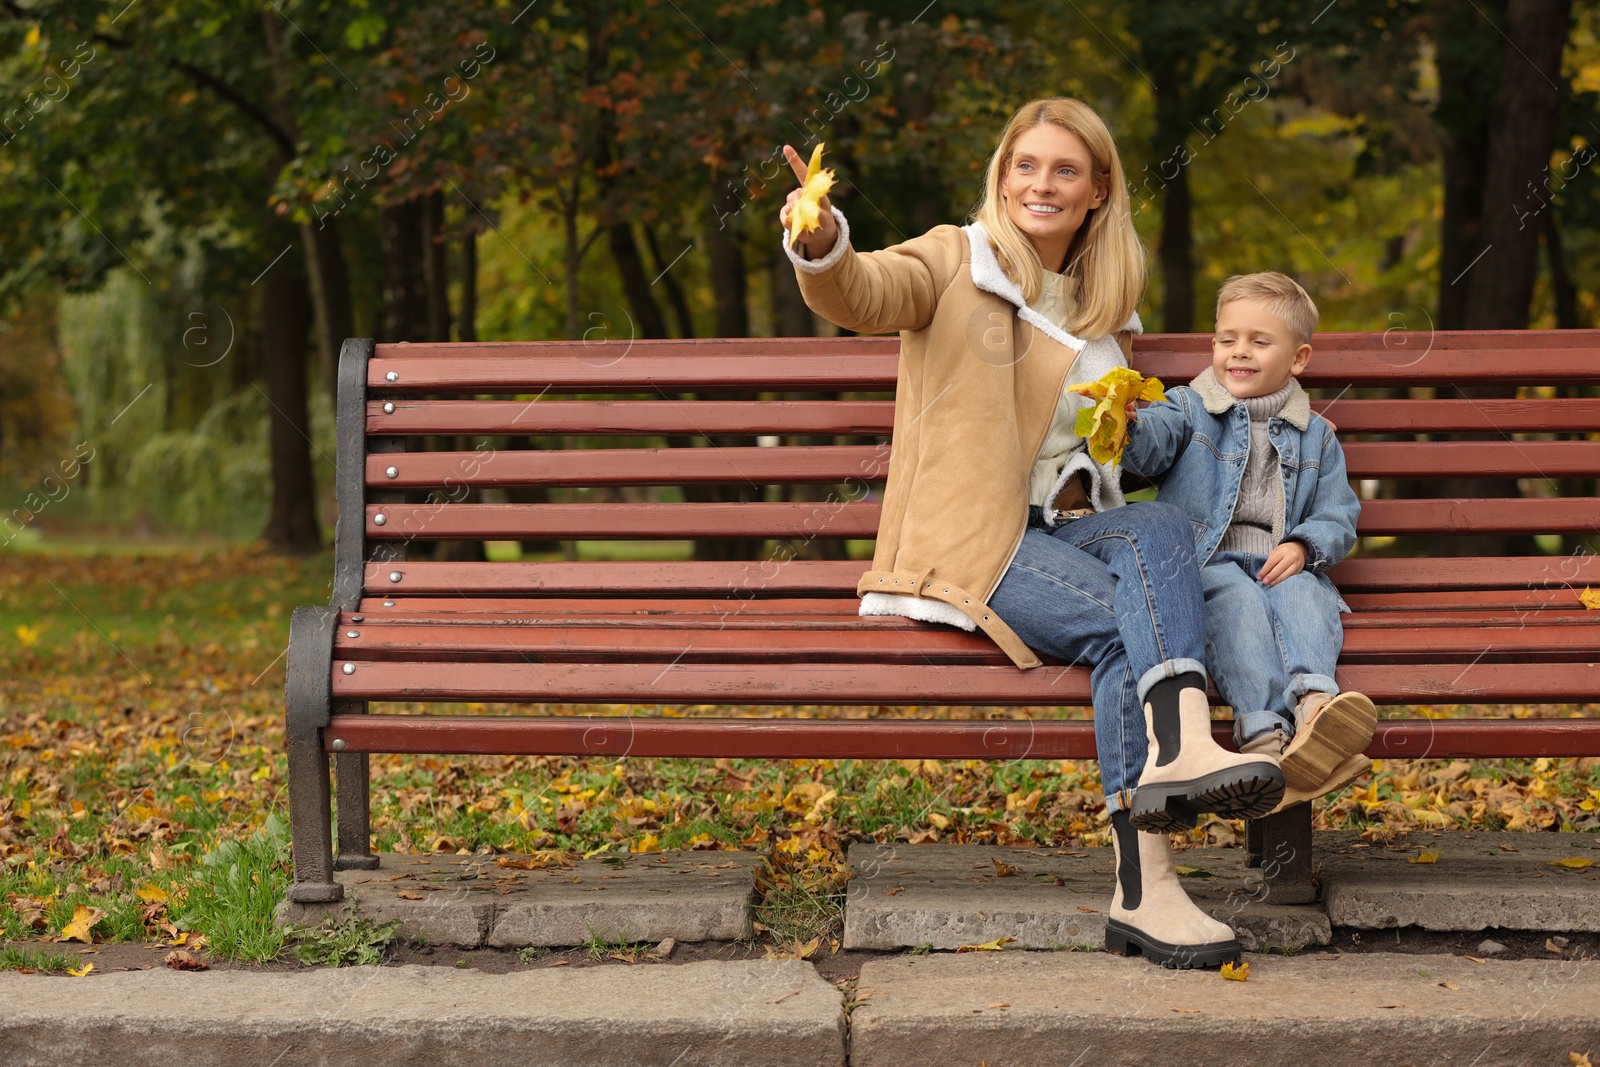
1049, 189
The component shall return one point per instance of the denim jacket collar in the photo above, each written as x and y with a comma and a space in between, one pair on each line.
1217, 400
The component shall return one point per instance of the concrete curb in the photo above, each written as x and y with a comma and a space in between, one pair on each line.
1052, 1009
777, 1012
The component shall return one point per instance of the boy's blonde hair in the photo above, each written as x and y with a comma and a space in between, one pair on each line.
1106, 258
1282, 295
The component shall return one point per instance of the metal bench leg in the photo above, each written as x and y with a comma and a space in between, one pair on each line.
350, 771
1284, 854
307, 700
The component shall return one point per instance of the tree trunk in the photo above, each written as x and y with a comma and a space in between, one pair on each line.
467, 323
1177, 256
286, 318
1522, 134
1565, 290
1469, 58
727, 269
630, 265
404, 299
675, 297
330, 293
435, 273
790, 315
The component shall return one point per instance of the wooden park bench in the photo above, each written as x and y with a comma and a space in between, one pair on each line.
780, 630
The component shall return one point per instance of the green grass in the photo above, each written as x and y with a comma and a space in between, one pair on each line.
346, 943
13, 958
233, 893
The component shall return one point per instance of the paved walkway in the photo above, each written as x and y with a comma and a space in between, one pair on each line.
1011, 1008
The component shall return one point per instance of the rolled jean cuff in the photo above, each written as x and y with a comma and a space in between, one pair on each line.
1301, 684
1170, 669
1251, 723
1117, 800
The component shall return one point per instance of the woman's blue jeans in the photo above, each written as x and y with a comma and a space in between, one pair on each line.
1117, 591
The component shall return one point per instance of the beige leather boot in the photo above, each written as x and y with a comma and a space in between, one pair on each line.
1187, 772
1151, 915
1328, 731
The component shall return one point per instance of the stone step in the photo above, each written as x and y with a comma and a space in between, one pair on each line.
947, 896
770, 1012
1510, 881
490, 900
1071, 1009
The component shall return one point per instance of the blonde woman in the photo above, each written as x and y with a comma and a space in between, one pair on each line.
995, 518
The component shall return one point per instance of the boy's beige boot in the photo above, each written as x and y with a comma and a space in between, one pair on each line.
1328, 731
1346, 773
1187, 773
1151, 915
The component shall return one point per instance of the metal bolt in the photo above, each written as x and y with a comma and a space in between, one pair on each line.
338, 744
394, 576
393, 472
388, 409
393, 376
379, 519
352, 633
358, 618
349, 668
388, 603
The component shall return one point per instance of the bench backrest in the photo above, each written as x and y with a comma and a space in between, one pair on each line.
426, 429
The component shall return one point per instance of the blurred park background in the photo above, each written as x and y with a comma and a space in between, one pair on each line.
200, 200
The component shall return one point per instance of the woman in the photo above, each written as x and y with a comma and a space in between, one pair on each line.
996, 519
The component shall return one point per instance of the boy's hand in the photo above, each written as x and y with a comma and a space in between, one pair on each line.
1287, 560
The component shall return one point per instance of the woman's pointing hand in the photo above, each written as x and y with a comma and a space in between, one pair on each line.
818, 242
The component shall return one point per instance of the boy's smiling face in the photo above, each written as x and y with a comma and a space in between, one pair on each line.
1253, 353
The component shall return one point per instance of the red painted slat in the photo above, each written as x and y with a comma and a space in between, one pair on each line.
616, 578
1004, 739
839, 518
633, 417
612, 521
1465, 572
641, 417
1568, 414
634, 373
1540, 575
1446, 459
838, 463
829, 639
903, 684
631, 466
1520, 515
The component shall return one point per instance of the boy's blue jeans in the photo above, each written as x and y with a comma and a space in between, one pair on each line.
1268, 646
1118, 591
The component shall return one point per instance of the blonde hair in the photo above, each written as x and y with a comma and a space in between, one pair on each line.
1106, 259
1280, 294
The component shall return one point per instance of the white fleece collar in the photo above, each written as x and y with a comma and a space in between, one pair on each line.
987, 275
1296, 410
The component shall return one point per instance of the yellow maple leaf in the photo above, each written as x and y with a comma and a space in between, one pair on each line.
152, 894
1429, 856
807, 211
647, 843
79, 972
1236, 973
1573, 863
83, 919
1105, 425
1590, 598
997, 945
27, 635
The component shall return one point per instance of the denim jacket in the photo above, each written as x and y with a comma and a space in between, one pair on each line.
1195, 442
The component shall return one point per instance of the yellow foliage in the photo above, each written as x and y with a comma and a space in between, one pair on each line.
1105, 425
1238, 973
808, 209
1428, 856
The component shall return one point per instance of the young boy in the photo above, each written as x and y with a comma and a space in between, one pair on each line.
1263, 483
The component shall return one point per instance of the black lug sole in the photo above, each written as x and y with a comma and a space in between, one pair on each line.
1126, 940
1234, 793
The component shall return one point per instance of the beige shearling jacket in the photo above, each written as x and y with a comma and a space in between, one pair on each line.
980, 377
